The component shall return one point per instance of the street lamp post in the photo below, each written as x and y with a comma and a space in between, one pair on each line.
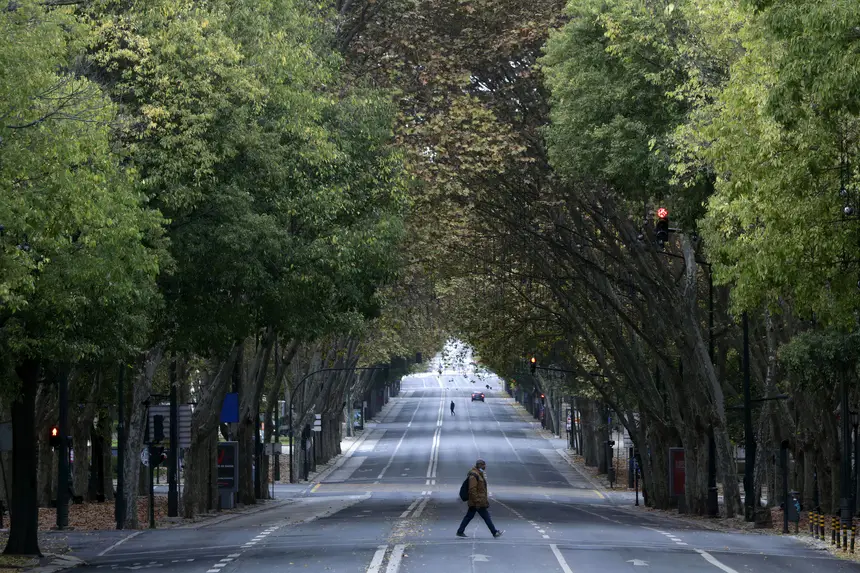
301, 385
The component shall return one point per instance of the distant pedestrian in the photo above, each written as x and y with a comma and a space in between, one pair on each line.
452, 407
479, 500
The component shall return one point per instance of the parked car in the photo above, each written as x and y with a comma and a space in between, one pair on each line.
477, 396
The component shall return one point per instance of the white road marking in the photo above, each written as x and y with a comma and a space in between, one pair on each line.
395, 558
437, 437
564, 566
713, 561
376, 562
403, 437
120, 542
592, 513
545, 536
421, 507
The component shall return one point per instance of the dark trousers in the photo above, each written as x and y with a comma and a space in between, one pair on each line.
485, 515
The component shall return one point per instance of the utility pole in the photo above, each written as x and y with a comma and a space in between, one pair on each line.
119, 501
749, 437
173, 458
63, 454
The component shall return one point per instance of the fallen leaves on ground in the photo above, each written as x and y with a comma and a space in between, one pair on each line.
15, 562
100, 516
48, 543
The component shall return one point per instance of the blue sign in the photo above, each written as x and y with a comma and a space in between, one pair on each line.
230, 409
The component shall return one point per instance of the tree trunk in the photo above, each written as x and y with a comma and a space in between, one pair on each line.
198, 496
105, 428
24, 507
200, 491
81, 418
249, 407
135, 431
46, 416
46, 480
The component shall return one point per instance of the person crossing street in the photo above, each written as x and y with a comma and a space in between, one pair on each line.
452, 407
479, 501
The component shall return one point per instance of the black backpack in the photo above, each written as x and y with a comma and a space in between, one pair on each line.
464, 489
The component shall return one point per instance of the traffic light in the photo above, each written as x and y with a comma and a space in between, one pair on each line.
54, 437
158, 428
661, 228
542, 396
533, 364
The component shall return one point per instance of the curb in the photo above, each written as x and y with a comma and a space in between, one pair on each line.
597, 486
57, 563
535, 426
342, 457
250, 510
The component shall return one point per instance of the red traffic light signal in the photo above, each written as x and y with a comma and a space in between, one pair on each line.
542, 396
661, 228
54, 437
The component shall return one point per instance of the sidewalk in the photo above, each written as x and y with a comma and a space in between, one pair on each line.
70, 548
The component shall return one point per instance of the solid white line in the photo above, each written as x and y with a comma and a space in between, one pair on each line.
434, 452
120, 542
713, 561
376, 562
564, 566
394, 559
420, 509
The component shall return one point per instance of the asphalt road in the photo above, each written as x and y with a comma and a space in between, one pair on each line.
392, 507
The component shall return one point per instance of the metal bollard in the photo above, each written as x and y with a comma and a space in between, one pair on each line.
821, 526
844, 536
853, 533
811, 517
834, 530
